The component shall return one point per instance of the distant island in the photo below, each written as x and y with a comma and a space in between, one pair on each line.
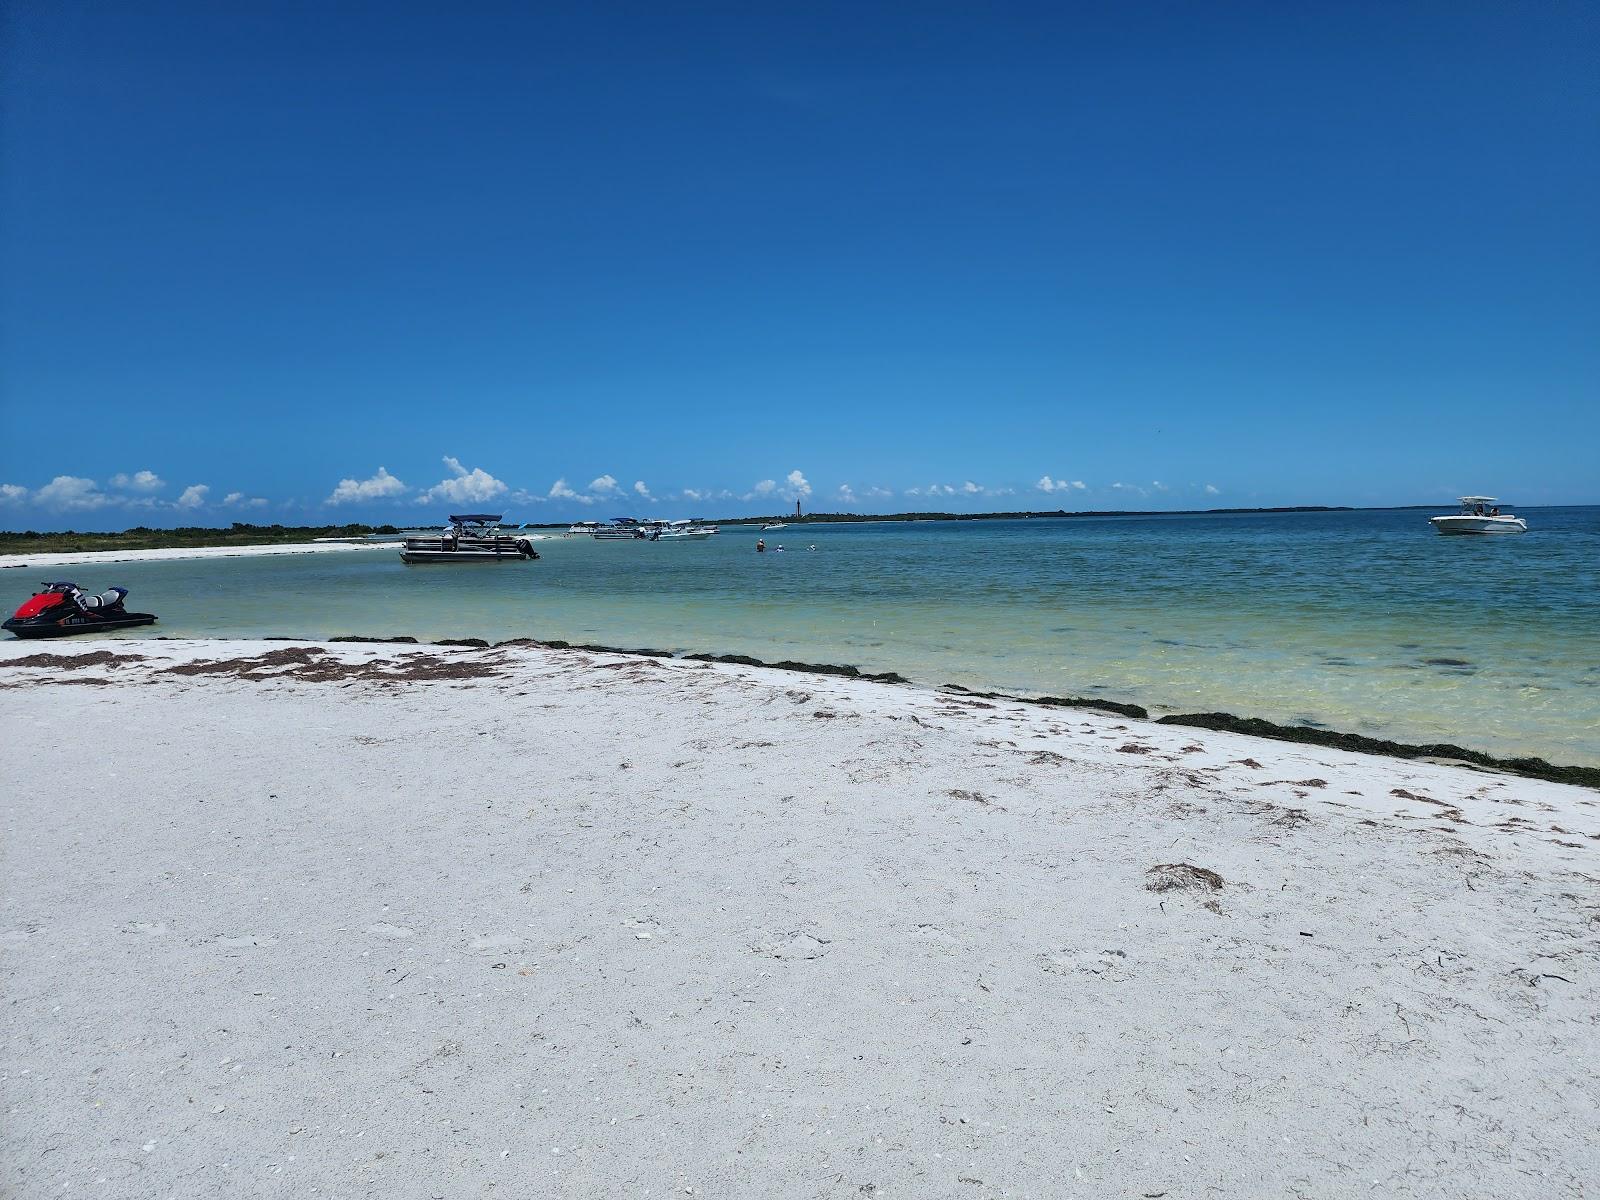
143, 537
1042, 514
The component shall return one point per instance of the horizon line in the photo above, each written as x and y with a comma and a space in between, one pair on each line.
828, 517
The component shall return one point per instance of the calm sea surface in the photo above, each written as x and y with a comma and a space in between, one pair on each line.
1365, 621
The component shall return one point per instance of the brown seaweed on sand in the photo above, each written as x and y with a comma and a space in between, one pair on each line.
1167, 877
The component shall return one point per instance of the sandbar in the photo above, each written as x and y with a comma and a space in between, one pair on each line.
284, 919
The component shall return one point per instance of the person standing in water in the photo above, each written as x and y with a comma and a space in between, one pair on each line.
761, 545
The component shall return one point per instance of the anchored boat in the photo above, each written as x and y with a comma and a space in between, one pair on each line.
1479, 514
674, 530
621, 529
471, 537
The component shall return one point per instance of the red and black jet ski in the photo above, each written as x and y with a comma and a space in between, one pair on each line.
63, 609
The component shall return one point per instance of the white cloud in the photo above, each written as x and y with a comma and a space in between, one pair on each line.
913, 491
1046, 484
380, 487
559, 490
193, 496
641, 491
12, 493
879, 491
605, 486
240, 500
795, 486
1213, 490
940, 489
846, 494
693, 494
139, 481
464, 486
971, 488
1159, 486
72, 492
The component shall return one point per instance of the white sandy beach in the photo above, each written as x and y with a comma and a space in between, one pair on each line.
389, 921
172, 553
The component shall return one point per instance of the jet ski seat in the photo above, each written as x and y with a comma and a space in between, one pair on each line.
106, 599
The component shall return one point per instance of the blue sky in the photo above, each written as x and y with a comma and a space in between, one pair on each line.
340, 261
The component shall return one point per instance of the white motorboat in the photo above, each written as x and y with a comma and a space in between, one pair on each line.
675, 530
583, 528
1479, 514
773, 525
471, 537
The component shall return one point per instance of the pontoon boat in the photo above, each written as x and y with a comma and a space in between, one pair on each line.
621, 529
471, 537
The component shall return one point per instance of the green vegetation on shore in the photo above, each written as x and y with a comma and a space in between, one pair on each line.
143, 538
845, 518
849, 518
238, 534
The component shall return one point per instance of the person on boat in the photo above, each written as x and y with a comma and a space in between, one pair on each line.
761, 545
1495, 511
1477, 510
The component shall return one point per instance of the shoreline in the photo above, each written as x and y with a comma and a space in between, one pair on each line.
404, 918
67, 558
1525, 766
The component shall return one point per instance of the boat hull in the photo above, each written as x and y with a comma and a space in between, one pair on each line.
461, 556
467, 550
1477, 525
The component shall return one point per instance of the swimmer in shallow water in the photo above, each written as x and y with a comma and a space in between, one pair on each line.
761, 545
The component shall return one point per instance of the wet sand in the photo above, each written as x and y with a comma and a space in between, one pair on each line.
283, 919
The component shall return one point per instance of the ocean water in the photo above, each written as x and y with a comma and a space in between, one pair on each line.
1366, 622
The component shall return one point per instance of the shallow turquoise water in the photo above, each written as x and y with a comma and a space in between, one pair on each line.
1366, 621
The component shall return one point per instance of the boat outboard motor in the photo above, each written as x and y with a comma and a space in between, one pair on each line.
526, 546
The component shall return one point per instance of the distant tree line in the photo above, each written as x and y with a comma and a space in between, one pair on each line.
142, 537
